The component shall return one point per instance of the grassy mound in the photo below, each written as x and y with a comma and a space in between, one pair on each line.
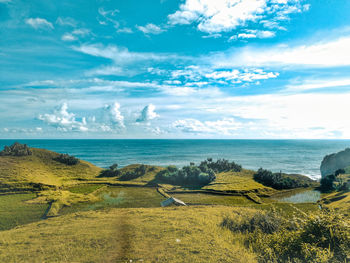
40, 171
238, 182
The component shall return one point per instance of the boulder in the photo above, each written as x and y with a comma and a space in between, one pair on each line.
335, 161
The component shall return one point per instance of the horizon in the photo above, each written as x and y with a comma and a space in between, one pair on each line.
189, 69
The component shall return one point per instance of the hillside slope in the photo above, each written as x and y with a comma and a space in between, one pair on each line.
20, 173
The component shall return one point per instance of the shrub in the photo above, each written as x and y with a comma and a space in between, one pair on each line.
111, 172
188, 175
324, 237
139, 171
193, 175
67, 159
220, 165
278, 180
327, 183
16, 149
267, 222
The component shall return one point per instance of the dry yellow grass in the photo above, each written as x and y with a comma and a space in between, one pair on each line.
174, 234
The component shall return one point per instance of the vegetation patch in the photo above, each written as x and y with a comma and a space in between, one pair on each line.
324, 237
282, 181
16, 149
15, 211
67, 159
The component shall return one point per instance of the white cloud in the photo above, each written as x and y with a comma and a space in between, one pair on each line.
150, 29
225, 126
108, 17
122, 55
253, 34
318, 84
68, 37
63, 120
115, 115
125, 30
226, 15
204, 76
66, 21
320, 54
39, 23
308, 115
148, 113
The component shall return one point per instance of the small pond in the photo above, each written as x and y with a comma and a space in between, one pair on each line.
307, 196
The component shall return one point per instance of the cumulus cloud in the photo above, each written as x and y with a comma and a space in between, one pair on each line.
226, 15
39, 23
150, 29
64, 120
115, 116
148, 113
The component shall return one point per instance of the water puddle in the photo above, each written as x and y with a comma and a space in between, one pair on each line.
307, 196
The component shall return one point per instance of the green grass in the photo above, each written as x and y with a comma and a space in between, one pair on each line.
85, 188
240, 182
15, 211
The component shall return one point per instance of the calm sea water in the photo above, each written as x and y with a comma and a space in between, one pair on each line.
290, 156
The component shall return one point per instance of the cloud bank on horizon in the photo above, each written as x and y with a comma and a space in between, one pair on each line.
174, 69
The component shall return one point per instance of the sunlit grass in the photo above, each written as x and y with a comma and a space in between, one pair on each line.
15, 211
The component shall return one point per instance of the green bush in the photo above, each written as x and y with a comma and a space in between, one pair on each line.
220, 165
130, 175
278, 180
111, 172
193, 175
67, 159
189, 175
16, 149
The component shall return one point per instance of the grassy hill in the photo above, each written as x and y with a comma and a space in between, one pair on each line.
22, 173
237, 182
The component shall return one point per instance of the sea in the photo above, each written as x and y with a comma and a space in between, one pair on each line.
289, 156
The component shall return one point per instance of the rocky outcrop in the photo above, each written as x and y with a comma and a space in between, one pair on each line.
335, 161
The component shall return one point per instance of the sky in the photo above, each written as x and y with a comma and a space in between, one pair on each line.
223, 69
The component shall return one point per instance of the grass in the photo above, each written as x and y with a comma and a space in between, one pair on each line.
240, 182
171, 234
17, 173
85, 188
15, 211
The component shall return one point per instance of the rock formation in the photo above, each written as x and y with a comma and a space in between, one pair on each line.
335, 161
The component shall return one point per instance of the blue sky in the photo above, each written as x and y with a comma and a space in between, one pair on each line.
175, 69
